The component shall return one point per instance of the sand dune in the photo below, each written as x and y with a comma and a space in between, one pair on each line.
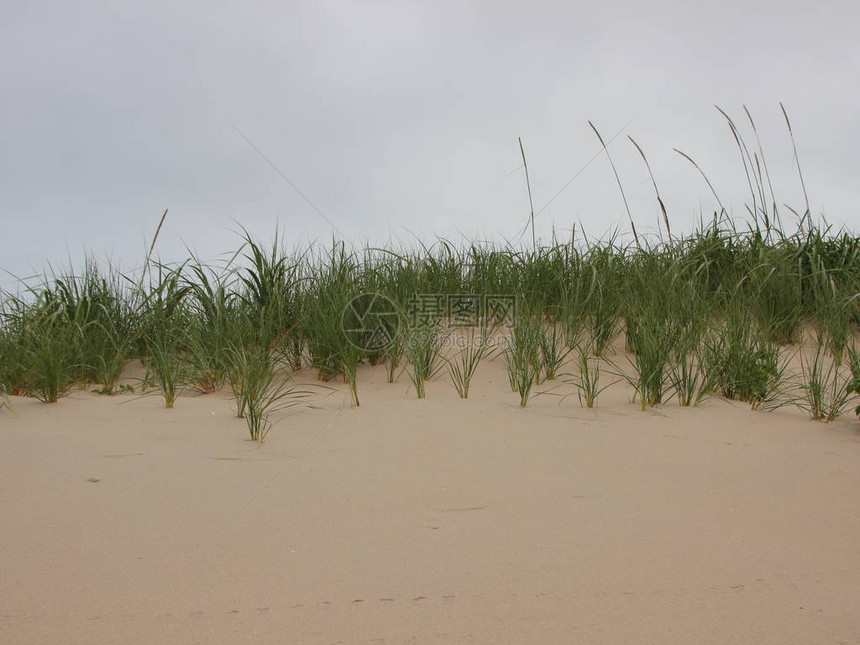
427, 521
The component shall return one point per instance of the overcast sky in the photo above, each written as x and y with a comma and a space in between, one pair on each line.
400, 119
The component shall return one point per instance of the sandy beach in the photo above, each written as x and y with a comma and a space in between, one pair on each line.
434, 521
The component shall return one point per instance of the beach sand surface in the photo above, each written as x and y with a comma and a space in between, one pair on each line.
432, 521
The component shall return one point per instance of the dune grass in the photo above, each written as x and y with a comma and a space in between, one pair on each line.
587, 378
716, 311
258, 389
464, 364
827, 391
424, 346
523, 357
854, 383
4, 399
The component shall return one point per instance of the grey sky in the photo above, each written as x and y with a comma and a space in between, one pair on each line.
402, 118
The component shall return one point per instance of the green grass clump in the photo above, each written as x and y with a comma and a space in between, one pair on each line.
396, 349
168, 368
216, 323
165, 321
690, 379
50, 354
462, 367
854, 384
523, 358
14, 367
587, 380
69, 329
553, 350
424, 351
259, 389
97, 319
742, 362
773, 288
835, 296
4, 399
826, 390
652, 324
329, 287
604, 300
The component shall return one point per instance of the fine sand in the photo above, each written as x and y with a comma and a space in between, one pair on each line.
435, 521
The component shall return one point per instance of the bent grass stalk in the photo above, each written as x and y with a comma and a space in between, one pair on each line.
396, 349
350, 357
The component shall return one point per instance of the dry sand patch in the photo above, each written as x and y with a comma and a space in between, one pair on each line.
427, 521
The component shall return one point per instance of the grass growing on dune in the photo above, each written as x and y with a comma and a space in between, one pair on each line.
700, 313
826, 389
4, 399
835, 294
216, 323
464, 364
603, 301
715, 311
70, 329
51, 357
742, 361
522, 357
165, 323
424, 352
690, 379
330, 285
259, 390
587, 379
395, 350
651, 324
553, 350
854, 383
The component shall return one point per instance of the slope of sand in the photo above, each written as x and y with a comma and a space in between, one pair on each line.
427, 521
